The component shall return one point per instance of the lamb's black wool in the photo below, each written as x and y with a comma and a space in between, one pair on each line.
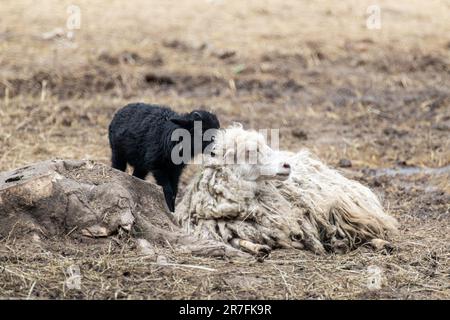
140, 135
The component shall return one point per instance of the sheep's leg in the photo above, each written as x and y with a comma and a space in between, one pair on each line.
253, 248
163, 180
380, 244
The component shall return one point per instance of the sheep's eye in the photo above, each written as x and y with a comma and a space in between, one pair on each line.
213, 138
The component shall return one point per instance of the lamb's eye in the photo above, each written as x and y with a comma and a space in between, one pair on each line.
213, 138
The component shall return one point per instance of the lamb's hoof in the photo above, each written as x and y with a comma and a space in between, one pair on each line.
381, 245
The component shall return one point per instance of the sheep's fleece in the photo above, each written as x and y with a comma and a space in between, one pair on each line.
316, 208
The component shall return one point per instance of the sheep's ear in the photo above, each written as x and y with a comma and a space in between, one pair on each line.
182, 122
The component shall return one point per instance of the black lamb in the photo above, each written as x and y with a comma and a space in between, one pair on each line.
140, 135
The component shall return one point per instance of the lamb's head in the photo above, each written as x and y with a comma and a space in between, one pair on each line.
248, 155
201, 126
207, 119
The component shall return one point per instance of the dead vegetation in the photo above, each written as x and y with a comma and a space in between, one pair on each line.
378, 98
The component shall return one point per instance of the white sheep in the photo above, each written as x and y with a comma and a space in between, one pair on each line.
257, 199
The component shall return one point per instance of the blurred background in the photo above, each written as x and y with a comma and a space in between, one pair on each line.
349, 79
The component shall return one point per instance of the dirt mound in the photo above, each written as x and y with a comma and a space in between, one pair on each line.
60, 198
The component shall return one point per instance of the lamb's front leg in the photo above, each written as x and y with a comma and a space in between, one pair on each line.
162, 179
174, 178
140, 173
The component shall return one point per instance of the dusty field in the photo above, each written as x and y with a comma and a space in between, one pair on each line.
379, 98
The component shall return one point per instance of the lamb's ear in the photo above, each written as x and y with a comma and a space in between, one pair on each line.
182, 122
197, 116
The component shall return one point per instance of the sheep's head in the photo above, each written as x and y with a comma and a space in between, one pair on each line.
248, 155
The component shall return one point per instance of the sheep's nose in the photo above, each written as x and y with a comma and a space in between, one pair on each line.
286, 165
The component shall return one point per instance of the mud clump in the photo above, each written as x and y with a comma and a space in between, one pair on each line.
57, 198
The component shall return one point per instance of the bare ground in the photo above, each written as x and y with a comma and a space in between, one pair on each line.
379, 98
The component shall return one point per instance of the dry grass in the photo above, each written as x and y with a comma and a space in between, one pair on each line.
377, 97
419, 270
